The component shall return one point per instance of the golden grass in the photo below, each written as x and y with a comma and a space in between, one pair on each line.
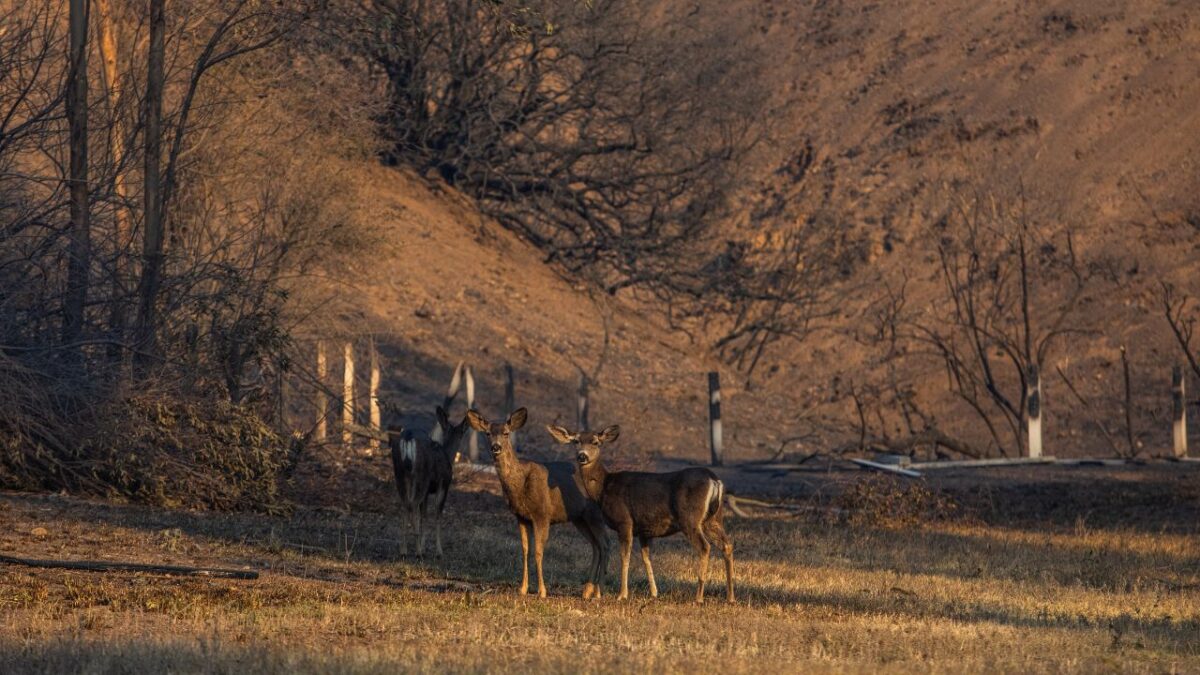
812, 597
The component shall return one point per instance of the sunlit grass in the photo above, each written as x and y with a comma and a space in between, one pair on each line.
812, 596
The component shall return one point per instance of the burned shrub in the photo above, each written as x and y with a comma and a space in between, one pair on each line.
883, 501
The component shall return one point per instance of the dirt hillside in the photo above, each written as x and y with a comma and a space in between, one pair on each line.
1089, 110
1089, 107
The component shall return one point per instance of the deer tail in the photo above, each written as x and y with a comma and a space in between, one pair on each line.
716, 497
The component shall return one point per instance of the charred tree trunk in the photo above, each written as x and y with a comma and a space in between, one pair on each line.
152, 244
123, 232
80, 249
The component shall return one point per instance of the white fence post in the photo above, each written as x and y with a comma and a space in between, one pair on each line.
373, 396
1033, 410
348, 395
473, 444
1179, 412
582, 403
321, 400
714, 417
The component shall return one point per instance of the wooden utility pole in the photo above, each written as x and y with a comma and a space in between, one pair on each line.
80, 248
714, 417
1033, 410
1178, 412
320, 400
373, 396
348, 394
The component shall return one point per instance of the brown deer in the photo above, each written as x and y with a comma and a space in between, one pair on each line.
541, 495
653, 505
424, 470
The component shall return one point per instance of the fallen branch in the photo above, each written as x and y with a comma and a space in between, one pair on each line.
102, 566
1092, 461
905, 446
736, 502
888, 468
367, 432
975, 463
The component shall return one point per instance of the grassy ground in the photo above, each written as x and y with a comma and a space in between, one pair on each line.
814, 595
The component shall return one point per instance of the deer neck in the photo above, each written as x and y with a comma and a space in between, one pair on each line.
507, 467
593, 475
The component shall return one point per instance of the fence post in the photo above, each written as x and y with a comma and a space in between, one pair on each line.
1033, 410
581, 404
473, 447
451, 393
714, 416
1178, 412
510, 395
280, 402
348, 394
373, 396
321, 401
510, 389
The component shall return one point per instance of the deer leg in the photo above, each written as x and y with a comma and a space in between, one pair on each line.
717, 534
419, 517
405, 528
645, 545
541, 532
601, 536
626, 550
437, 532
524, 556
589, 588
702, 549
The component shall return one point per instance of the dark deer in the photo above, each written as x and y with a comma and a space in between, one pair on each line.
424, 470
541, 495
653, 505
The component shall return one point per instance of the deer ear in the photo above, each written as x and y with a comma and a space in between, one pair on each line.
609, 434
478, 422
561, 434
517, 419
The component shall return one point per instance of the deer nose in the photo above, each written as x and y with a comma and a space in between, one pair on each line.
582, 457
495, 447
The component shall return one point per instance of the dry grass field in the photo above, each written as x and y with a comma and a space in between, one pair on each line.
815, 594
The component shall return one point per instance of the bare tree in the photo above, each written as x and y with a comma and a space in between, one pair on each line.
989, 324
152, 208
1177, 310
612, 142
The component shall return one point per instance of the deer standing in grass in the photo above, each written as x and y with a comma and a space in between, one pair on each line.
424, 470
541, 495
653, 505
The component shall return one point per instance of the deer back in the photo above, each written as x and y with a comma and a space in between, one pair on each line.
660, 504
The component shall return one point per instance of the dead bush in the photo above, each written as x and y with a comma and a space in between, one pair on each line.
203, 453
153, 448
883, 501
